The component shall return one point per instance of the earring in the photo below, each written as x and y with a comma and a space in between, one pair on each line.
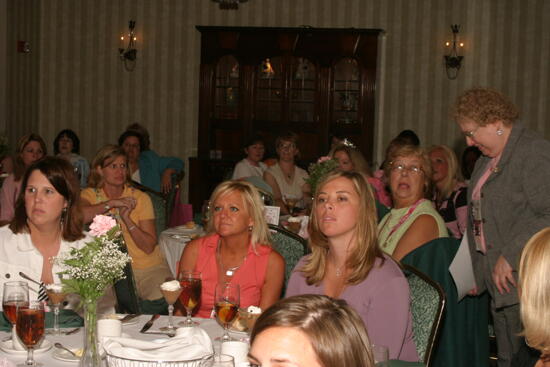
250, 228
63, 215
500, 132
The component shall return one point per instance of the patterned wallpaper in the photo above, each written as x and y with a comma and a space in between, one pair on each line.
73, 76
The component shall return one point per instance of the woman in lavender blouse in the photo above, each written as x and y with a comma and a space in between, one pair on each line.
346, 263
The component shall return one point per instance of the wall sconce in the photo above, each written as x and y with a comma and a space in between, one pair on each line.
128, 55
453, 60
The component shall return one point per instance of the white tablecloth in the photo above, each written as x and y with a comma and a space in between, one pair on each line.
172, 241
76, 340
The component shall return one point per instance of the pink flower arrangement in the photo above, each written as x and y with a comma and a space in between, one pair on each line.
324, 159
101, 225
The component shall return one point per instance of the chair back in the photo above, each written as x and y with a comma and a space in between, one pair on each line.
427, 305
126, 290
290, 246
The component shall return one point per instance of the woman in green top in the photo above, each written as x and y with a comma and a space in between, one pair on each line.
413, 221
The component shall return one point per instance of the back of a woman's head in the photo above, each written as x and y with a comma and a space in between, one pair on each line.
534, 290
336, 332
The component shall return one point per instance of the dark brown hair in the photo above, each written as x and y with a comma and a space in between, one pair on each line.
60, 173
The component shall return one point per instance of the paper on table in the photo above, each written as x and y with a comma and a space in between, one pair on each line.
461, 269
192, 343
271, 214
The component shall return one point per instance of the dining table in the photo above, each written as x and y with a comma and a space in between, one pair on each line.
172, 241
49, 357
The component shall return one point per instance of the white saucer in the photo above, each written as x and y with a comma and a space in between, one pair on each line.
63, 355
7, 346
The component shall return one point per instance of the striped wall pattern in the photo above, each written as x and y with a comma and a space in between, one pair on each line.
73, 77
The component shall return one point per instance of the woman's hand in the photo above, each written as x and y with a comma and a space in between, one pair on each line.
502, 274
121, 203
166, 180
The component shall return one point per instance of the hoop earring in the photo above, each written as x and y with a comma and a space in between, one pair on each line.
500, 132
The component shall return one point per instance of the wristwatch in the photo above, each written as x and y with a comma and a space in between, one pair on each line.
107, 207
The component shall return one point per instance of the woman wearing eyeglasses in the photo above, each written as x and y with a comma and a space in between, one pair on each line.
508, 202
413, 221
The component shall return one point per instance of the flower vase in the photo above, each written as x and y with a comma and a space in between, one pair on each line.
90, 354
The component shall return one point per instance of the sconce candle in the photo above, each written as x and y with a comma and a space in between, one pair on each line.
453, 61
128, 54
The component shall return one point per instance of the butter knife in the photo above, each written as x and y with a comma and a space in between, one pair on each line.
149, 323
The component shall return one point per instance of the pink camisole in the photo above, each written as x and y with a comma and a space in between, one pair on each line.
250, 276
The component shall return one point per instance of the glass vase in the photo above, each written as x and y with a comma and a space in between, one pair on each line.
90, 354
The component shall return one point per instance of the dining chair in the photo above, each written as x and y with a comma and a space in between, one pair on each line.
427, 306
464, 325
290, 246
126, 290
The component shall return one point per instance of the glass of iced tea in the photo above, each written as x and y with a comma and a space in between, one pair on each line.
226, 305
15, 294
190, 296
30, 328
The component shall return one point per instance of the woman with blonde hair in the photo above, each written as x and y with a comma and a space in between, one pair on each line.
413, 221
346, 263
236, 249
109, 193
534, 292
449, 192
312, 331
30, 148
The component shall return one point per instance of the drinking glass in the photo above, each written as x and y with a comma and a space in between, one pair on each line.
291, 201
30, 329
171, 296
226, 305
218, 360
57, 296
191, 287
205, 211
381, 355
15, 294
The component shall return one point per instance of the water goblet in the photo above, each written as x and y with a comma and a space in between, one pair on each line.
171, 291
57, 296
191, 287
30, 329
218, 360
226, 306
14, 295
291, 201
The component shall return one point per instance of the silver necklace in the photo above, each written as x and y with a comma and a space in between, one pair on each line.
228, 271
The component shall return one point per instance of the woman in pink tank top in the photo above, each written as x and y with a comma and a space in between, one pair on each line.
236, 249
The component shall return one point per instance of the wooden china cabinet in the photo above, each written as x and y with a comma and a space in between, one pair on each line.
266, 81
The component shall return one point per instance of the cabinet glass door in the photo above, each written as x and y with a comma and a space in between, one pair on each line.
269, 92
227, 88
346, 91
302, 90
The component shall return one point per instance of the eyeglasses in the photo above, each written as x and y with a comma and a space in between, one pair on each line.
470, 134
400, 168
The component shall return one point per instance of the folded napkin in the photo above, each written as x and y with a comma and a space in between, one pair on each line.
190, 343
67, 319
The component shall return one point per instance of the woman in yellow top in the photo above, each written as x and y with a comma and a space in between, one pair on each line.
108, 192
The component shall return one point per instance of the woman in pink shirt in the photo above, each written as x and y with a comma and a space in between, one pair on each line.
236, 249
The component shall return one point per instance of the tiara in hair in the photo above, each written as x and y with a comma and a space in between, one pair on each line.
348, 143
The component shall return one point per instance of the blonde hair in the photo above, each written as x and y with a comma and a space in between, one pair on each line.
534, 290
103, 158
19, 167
254, 206
416, 152
453, 172
323, 320
355, 156
485, 106
363, 255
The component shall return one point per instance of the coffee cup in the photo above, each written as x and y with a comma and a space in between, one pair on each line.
237, 349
